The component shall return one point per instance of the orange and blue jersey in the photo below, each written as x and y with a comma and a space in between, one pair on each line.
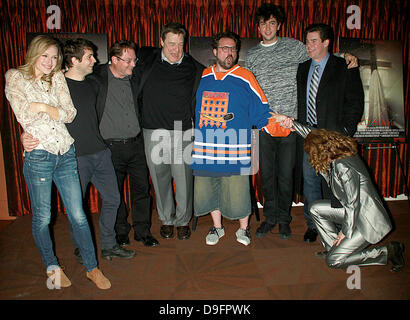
228, 105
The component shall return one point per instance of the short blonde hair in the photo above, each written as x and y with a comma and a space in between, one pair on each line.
36, 48
323, 145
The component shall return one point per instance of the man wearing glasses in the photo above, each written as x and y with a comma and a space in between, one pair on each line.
229, 101
120, 126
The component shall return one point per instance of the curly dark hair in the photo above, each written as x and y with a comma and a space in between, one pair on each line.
323, 145
268, 10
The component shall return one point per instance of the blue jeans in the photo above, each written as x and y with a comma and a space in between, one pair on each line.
40, 169
312, 189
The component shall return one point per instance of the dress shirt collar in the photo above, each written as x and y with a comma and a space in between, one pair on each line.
164, 58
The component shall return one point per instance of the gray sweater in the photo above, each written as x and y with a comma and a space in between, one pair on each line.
275, 68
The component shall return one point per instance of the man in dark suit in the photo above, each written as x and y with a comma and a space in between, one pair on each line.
330, 96
120, 126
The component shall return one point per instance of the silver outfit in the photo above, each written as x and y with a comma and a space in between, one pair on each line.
363, 218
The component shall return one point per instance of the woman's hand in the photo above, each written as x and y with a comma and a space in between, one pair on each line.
339, 238
42, 107
36, 107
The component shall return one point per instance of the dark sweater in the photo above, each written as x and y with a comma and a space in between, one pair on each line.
84, 128
167, 95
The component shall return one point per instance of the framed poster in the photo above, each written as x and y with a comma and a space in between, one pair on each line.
381, 71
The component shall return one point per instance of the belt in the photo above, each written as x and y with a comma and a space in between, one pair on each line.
312, 125
123, 141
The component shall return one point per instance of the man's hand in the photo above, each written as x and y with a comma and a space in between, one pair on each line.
29, 142
351, 60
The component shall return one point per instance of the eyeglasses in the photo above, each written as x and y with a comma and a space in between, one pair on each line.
226, 49
127, 61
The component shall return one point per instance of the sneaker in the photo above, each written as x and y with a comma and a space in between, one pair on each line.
263, 229
214, 235
243, 236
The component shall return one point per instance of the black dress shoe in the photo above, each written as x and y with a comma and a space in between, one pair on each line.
263, 229
117, 252
78, 256
183, 232
123, 241
284, 231
310, 235
148, 241
395, 255
166, 231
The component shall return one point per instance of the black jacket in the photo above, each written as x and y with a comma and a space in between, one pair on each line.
100, 75
146, 58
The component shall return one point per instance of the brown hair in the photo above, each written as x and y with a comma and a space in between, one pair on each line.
118, 48
173, 27
323, 145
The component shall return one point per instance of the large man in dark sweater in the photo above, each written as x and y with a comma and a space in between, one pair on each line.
168, 82
93, 156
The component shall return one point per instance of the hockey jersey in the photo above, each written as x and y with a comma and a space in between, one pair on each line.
228, 105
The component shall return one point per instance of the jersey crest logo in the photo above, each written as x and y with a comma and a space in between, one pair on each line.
214, 110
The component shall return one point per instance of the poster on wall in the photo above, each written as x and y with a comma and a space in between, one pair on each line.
201, 49
99, 39
381, 71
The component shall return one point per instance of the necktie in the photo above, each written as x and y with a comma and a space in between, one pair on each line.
314, 84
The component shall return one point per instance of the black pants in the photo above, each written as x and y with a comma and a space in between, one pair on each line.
129, 158
277, 156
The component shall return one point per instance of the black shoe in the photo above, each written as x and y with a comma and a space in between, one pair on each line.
263, 229
78, 256
183, 232
166, 231
310, 235
321, 254
123, 241
284, 231
148, 241
395, 255
117, 252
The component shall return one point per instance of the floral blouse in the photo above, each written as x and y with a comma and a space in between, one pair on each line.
52, 134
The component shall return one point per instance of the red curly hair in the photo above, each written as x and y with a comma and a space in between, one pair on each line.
323, 145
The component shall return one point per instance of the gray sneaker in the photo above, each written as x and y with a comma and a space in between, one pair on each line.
243, 236
214, 235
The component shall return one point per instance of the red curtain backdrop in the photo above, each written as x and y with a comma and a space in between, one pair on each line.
140, 21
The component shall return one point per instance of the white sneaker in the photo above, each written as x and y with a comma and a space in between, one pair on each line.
214, 235
243, 236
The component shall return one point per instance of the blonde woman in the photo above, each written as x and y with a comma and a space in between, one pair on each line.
363, 218
41, 102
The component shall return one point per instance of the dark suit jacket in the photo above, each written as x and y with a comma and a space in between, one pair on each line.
100, 75
147, 56
339, 103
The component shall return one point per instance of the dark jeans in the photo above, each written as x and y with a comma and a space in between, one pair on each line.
98, 169
129, 159
277, 156
312, 189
